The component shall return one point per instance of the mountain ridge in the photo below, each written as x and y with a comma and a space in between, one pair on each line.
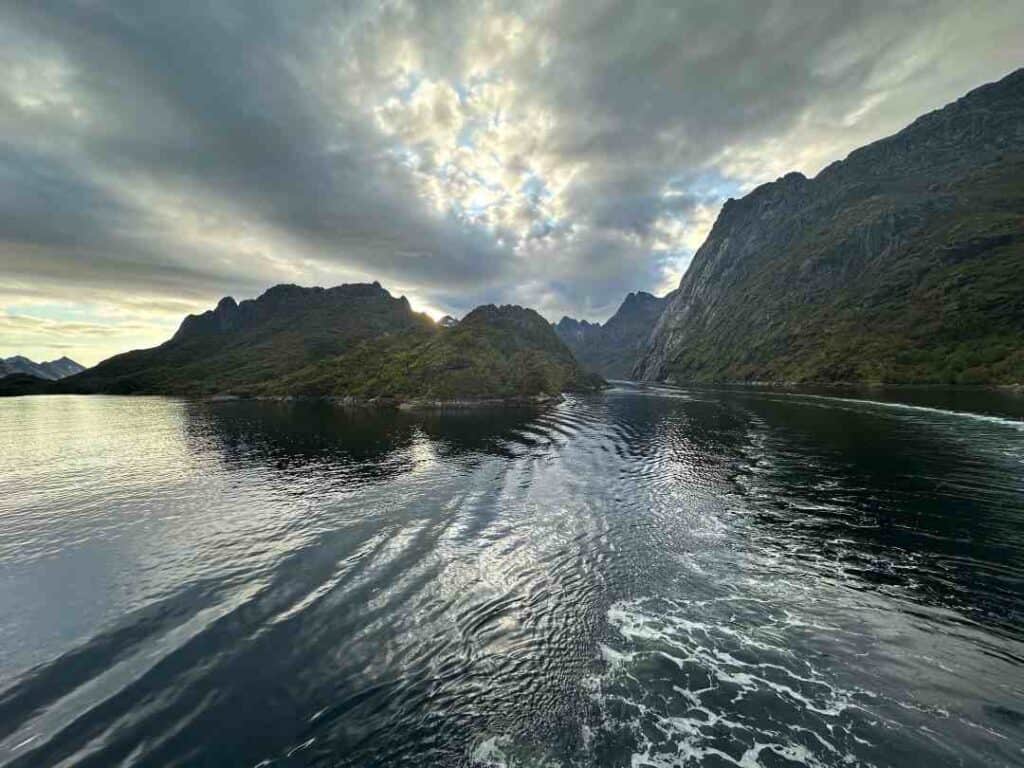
611, 349
353, 341
237, 345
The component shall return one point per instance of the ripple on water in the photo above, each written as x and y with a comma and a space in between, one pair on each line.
646, 577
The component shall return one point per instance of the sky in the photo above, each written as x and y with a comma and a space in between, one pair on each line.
156, 156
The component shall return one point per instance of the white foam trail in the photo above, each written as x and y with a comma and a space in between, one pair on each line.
662, 390
502, 752
699, 639
1002, 421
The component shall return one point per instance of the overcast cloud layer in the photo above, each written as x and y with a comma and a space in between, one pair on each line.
157, 156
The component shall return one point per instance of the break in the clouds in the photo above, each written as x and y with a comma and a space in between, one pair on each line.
156, 156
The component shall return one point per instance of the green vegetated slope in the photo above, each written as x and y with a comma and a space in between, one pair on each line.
903, 263
238, 348
351, 340
494, 352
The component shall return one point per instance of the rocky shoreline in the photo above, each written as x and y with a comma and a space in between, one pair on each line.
414, 404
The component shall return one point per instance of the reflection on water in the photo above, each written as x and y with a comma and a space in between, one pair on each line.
646, 577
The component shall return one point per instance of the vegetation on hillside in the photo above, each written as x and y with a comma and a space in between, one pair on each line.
494, 352
351, 341
238, 348
902, 264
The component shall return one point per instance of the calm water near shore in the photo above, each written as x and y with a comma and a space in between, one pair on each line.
646, 577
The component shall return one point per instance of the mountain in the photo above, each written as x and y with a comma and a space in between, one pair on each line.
492, 353
63, 367
51, 371
238, 347
349, 341
902, 263
612, 349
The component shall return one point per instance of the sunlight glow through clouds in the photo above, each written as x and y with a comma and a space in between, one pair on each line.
548, 153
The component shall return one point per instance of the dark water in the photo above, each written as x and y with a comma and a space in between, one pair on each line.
638, 578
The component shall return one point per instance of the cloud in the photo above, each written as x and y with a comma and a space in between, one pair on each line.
556, 154
51, 337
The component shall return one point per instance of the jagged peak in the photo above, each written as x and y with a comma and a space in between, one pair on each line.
514, 313
977, 118
499, 309
860, 235
62, 360
571, 323
639, 297
228, 313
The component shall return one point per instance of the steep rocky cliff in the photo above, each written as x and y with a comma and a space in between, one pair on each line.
902, 263
612, 349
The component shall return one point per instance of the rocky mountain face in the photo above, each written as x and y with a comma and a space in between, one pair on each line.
612, 349
902, 263
50, 371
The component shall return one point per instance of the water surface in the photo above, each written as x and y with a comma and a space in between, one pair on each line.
643, 577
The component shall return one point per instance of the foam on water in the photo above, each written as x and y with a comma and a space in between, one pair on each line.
697, 688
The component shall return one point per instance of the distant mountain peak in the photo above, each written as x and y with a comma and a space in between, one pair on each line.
612, 348
52, 370
637, 297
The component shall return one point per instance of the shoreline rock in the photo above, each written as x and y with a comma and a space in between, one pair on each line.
415, 404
